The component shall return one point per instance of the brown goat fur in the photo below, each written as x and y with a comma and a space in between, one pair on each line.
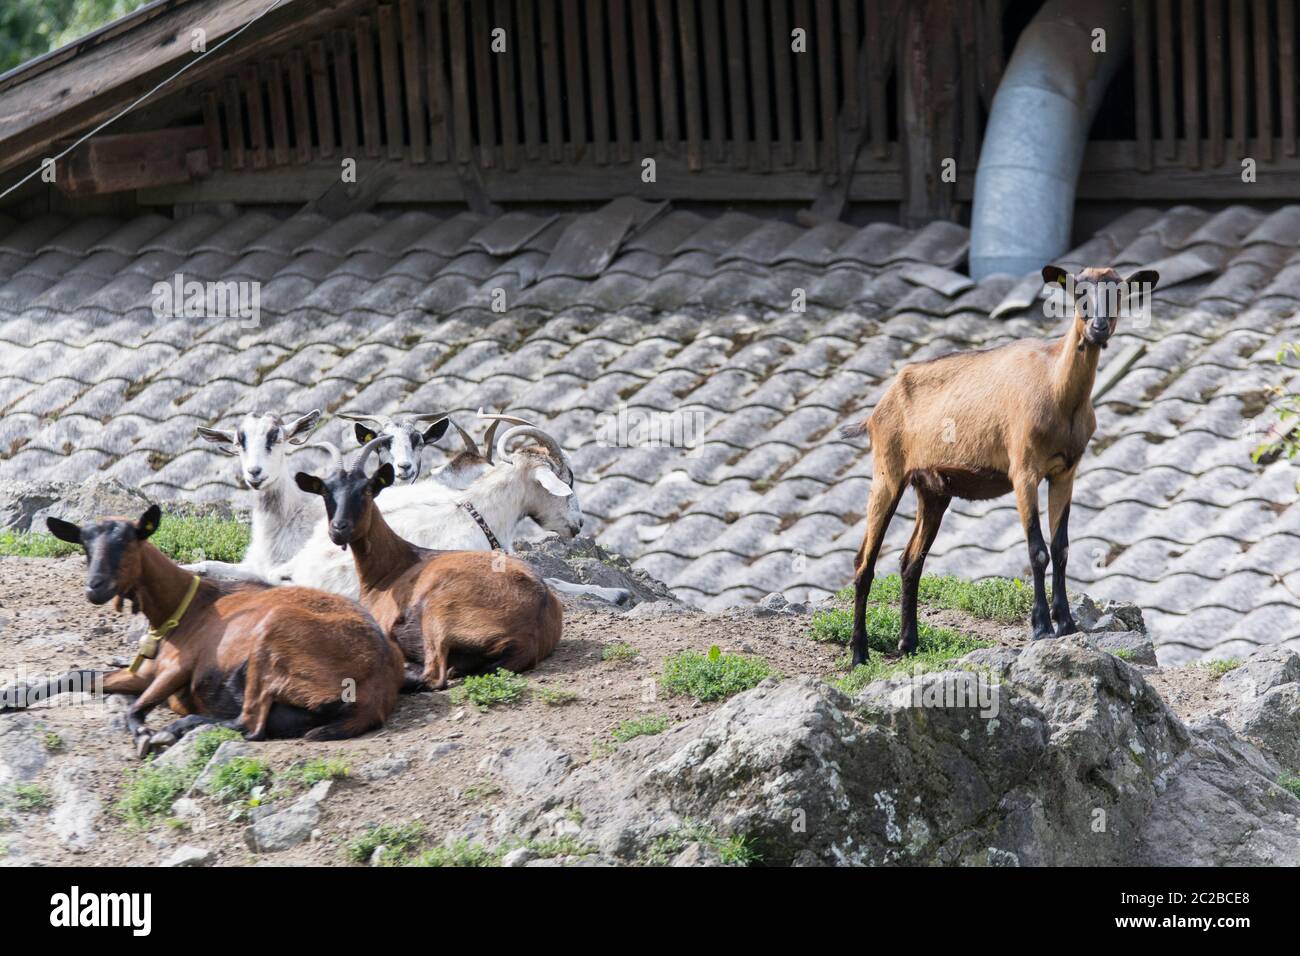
981, 424
453, 612
270, 662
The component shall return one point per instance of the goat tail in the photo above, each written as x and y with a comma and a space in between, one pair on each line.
858, 430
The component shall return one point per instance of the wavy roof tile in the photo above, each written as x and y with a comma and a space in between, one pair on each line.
642, 309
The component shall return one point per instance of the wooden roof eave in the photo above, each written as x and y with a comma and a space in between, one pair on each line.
56, 97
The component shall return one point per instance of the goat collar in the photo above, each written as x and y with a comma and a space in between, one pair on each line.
149, 644
493, 543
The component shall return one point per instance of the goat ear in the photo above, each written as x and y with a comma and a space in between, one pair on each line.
1055, 274
64, 530
302, 426
435, 431
546, 478
1146, 278
309, 483
148, 522
225, 439
382, 478
365, 434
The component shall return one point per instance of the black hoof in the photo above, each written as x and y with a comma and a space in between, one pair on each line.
1066, 628
858, 659
906, 648
1043, 634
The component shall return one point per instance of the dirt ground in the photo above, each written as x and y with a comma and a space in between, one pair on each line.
47, 626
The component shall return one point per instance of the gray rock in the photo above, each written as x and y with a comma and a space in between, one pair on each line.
24, 505
1107, 616
582, 561
389, 765
189, 856
774, 601
77, 809
227, 752
182, 752
1133, 646
653, 610
289, 827
441, 749
22, 749
1265, 669
534, 763
697, 854
1083, 764
519, 857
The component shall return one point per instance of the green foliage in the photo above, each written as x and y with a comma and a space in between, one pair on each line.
29, 28
1218, 668
459, 853
996, 599
734, 851
399, 841
152, 789
53, 742
486, 690
184, 538
619, 652
1287, 407
28, 796
631, 729
236, 778
314, 771
712, 676
480, 791
1290, 782
556, 698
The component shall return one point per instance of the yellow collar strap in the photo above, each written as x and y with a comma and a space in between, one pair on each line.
149, 644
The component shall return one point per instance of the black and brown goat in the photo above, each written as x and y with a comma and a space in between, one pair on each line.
453, 612
270, 662
978, 425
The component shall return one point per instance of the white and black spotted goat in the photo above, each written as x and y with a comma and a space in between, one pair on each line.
408, 436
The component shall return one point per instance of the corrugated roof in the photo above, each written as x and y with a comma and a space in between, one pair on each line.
663, 310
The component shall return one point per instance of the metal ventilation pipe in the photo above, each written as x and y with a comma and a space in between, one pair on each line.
1037, 130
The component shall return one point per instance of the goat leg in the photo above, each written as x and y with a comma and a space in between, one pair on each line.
930, 509
1027, 505
1058, 499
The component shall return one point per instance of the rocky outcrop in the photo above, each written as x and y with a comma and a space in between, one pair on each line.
1057, 754
1261, 701
24, 505
583, 561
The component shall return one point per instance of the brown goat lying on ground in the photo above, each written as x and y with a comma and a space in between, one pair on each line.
977, 425
271, 662
455, 612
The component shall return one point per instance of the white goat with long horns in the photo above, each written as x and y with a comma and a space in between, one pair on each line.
533, 480
283, 515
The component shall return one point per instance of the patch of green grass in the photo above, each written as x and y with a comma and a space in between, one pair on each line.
459, 853
53, 742
480, 791
1124, 654
713, 676
185, 538
997, 599
1218, 668
556, 698
487, 690
236, 778
1290, 782
640, 727
400, 841
152, 789
560, 846
314, 771
29, 796
734, 851
619, 652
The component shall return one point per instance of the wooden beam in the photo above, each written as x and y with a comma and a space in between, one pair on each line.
126, 161
929, 83
582, 181
412, 58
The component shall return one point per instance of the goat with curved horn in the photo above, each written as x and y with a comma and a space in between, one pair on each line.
492, 429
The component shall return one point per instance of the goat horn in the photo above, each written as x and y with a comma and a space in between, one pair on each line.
360, 418
531, 431
359, 462
429, 416
492, 429
470, 444
332, 449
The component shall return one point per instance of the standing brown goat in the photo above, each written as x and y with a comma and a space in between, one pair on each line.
455, 612
977, 425
271, 662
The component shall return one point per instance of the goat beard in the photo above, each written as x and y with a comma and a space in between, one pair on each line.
135, 603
